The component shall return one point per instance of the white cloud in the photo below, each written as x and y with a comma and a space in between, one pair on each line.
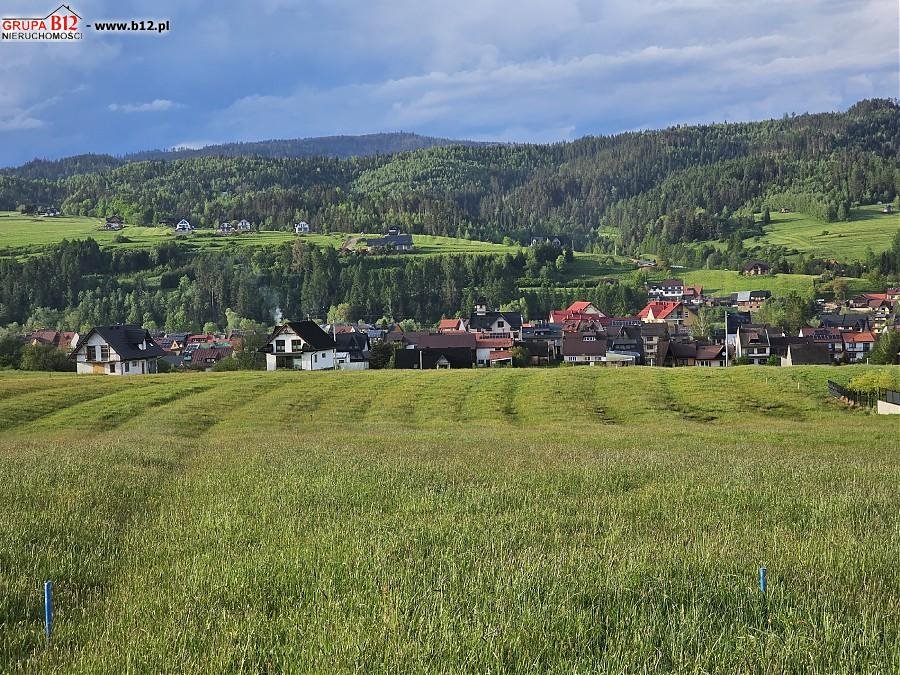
156, 105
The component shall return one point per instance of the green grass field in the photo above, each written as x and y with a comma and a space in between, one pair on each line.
869, 228
25, 235
558, 520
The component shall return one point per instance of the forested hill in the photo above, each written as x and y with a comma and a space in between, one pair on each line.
655, 190
323, 146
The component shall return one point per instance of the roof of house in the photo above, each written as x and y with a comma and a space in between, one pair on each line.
486, 320
837, 320
660, 308
654, 329
448, 324
747, 296
750, 264
574, 344
500, 355
493, 343
808, 354
683, 350
779, 343
457, 357
580, 306
710, 352
862, 336
208, 354
352, 341
441, 340
753, 334
124, 340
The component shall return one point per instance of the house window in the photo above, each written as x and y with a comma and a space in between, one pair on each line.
104, 352
500, 324
91, 354
279, 346
296, 346
315, 358
126, 366
112, 367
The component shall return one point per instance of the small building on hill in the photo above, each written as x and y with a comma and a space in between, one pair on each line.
116, 350
183, 227
301, 228
113, 223
392, 243
299, 345
755, 268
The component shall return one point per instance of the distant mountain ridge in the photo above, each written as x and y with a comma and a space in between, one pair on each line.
341, 147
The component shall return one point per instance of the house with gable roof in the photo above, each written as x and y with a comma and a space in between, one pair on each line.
122, 349
299, 345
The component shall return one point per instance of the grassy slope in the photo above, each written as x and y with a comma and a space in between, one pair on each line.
22, 235
531, 520
845, 240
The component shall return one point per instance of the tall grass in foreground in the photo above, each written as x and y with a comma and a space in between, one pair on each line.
506, 521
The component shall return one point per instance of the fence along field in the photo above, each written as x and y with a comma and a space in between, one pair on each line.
482, 521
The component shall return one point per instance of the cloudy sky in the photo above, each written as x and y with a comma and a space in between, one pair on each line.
524, 70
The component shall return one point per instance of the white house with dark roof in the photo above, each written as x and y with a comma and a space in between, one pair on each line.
116, 350
183, 226
300, 345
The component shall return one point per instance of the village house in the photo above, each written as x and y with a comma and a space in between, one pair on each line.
396, 243
495, 324
584, 348
183, 227
244, 226
63, 340
543, 342
301, 228
750, 301
225, 228
299, 345
846, 322
857, 346
204, 358
116, 350
807, 354
830, 338
452, 326
673, 313
351, 350
492, 351
752, 342
710, 356
651, 335
114, 223
578, 311
625, 340
668, 289
755, 268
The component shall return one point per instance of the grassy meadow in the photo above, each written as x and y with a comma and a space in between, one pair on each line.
23, 235
868, 228
541, 520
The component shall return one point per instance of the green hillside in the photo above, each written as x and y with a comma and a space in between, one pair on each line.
26, 234
388, 521
869, 228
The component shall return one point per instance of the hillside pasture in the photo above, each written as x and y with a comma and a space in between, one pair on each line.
469, 521
868, 228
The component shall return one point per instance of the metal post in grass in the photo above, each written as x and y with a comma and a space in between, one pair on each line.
48, 609
762, 580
